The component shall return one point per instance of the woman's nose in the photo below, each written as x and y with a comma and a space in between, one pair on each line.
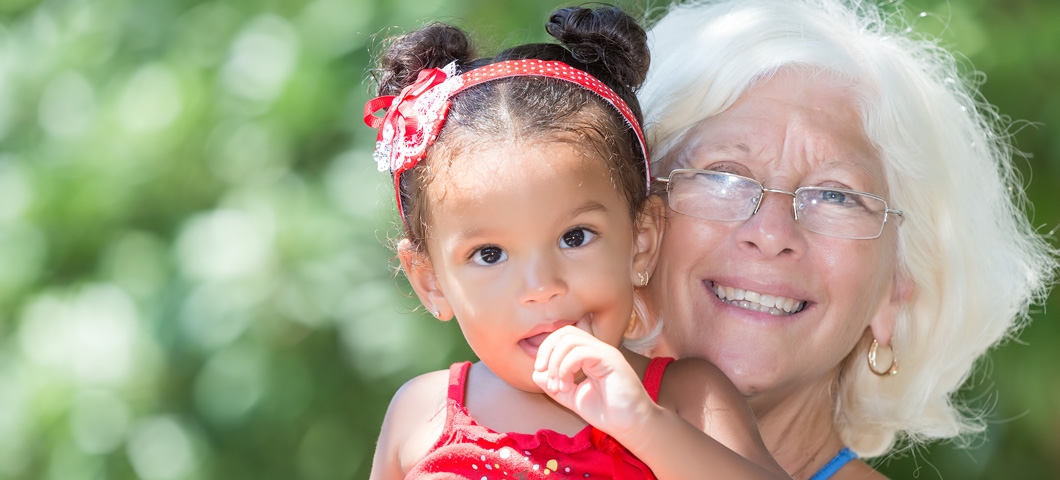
543, 281
772, 230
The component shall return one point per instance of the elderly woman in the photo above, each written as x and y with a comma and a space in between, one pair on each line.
841, 234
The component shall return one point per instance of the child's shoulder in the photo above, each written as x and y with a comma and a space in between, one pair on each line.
694, 383
701, 394
414, 421
423, 391
694, 369
419, 401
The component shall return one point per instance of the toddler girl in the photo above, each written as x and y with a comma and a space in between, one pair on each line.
522, 183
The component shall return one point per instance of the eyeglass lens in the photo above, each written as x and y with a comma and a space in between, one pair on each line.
829, 211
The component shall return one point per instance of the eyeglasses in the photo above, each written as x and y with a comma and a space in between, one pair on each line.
836, 212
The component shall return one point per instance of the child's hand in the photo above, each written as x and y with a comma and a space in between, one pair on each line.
611, 397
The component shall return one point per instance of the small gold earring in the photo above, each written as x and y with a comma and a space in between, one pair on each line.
643, 278
893, 370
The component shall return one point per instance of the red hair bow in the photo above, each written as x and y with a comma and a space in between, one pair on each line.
412, 121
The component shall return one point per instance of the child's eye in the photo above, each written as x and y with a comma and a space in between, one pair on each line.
576, 237
489, 256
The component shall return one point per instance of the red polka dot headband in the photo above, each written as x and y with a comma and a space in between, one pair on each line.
415, 116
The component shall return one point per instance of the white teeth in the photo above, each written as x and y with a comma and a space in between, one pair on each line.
760, 302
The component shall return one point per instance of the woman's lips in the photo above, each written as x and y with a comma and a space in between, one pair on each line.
757, 301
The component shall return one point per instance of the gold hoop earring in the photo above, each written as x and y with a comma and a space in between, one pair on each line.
643, 278
893, 370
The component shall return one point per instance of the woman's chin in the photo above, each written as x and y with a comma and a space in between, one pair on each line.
750, 378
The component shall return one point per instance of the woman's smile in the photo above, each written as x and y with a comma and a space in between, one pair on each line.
756, 301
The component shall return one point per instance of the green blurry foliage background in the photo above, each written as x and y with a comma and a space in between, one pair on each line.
195, 281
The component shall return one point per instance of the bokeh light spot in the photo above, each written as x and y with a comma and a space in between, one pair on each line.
230, 385
355, 187
242, 151
216, 313
99, 421
160, 448
262, 58
22, 251
68, 106
88, 335
330, 27
151, 100
68, 462
16, 191
137, 261
224, 244
15, 451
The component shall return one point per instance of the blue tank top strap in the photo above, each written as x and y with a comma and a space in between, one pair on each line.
845, 455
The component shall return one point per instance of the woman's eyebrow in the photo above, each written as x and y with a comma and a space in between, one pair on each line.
738, 149
693, 151
853, 165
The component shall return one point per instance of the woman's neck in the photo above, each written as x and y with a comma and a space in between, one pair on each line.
798, 428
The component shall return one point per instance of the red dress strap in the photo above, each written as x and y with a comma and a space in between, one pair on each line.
457, 379
653, 376
454, 403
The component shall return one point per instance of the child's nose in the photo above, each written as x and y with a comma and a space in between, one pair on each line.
543, 282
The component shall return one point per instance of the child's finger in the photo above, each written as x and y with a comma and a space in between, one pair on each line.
547, 350
582, 358
555, 340
561, 342
544, 353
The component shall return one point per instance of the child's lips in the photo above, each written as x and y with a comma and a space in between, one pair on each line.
531, 344
536, 340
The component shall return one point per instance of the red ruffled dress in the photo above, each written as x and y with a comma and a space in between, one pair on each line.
467, 450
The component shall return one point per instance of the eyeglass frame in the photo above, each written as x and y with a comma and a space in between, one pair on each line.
887, 210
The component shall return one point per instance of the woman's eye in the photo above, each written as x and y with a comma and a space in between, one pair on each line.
832, 196
576, 237
489, 256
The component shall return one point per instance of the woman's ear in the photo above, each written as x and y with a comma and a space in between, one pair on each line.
647, 238
421, 275
883, 322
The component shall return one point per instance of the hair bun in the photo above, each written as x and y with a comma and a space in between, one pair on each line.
606, 37
432, 46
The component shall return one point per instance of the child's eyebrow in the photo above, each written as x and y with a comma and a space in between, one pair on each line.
475, 232
588, 206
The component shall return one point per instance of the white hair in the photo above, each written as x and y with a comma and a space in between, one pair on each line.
975, 261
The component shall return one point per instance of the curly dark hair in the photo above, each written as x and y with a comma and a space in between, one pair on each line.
605, 42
